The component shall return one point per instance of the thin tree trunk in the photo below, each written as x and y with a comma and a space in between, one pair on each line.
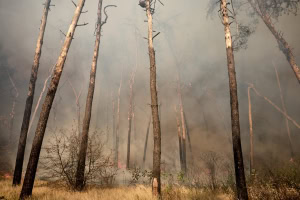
235, 122
80, 180
39, 100
42, 123
130, 112
28, 106
113, 123
283, 45
252, 171
179, 139
156, 183
276, 107
118, 123
284, 110
146, 141
189, 137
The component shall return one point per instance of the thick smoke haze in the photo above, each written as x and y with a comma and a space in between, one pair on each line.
188, 38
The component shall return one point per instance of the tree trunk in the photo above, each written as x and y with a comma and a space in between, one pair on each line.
189, 137
156, 183
179, 139
283, 45
29, 100
235, 123
130, 112
252, 171
146, 141
42, 123
80, 180
284, 110
118, 124
113, 123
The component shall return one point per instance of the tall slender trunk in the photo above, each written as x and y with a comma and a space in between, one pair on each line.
283, 44
179, 139
235, 122
80, 180
113, 123
146, 141
252, 170
42, 123
29, 100
189, 137
156, 183
130, 112
118, 123
284, 110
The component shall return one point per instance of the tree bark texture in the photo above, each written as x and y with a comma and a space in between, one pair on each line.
156, 182
235, 123
28, 106
80, 180
42, 123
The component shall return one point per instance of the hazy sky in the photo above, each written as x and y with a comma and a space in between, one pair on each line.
187, 34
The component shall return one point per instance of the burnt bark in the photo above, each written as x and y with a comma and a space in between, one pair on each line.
42, 123
156, 182
28, 106
241, 187
80, 180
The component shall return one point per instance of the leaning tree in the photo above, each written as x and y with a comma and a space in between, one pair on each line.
44, 115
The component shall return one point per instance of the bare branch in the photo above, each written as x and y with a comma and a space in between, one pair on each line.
106, 16
84, 24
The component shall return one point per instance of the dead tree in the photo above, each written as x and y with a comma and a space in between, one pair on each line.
179, 133
113, 122
252, 170
156, 182
284, 110
118, 123
29, 100
146, 140
42, 123
80, 179
77, 97
235, 121
265, 10
131, 107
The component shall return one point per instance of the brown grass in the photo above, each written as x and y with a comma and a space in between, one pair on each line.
46, 191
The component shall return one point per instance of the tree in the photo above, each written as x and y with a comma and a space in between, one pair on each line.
268, 9
118, 123
156, 183
146, 141
179, 139
42, 123
252, 171
79, 185
235, 122
29, 100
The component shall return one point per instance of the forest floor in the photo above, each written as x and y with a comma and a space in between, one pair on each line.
48, 191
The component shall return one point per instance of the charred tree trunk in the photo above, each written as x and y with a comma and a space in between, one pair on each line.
179, 139
283, 45
146, 141
235, 122
286, 120
252, 170
156, 183
29, 100
80, 180
42, 123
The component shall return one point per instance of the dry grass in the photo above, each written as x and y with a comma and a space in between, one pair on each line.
45, 191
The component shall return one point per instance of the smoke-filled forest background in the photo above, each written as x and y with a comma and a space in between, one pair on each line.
190, 39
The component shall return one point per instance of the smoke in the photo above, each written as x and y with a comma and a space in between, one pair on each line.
188, 36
